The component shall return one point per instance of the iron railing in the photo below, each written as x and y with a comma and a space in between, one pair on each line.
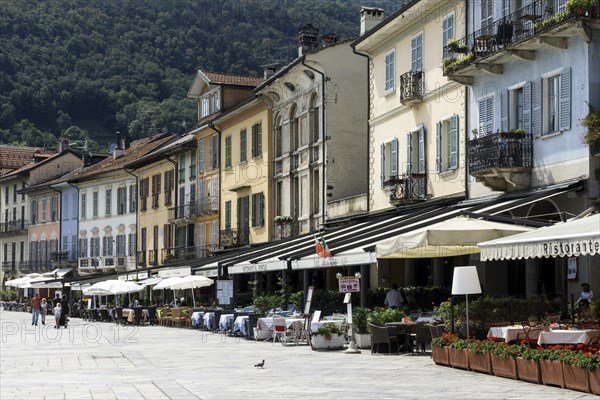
13, 226
411, 87
407, 188
8, 266
499, 150
234, 237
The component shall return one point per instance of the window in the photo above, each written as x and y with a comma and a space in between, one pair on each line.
201, 156
193, 165
108, 203
210, 103
107, 245
316, 200
447, 33
132, 198
390, 71
131, 245
95, 204
257, 140
258, 209
313, 113
215, 100
14, 193
486, 116
243, 145
416, 164
169, 186
83, 205
214, 234
278, 137
201, 234
120, 245
155, 190
389, 161
144, 189
95, 246
228, 214
22, 194
121, 200
181, 168
228, 152
416, 47
553, 104
215, 192
487, 16
294, 129
214, 152
54, 208
205, 106
44, 205
447, 144
518, 109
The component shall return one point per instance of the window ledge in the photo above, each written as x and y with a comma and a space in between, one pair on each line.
550, 135
258, 156
389, 92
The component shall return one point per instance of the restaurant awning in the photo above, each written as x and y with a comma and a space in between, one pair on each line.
453, 237
565, 239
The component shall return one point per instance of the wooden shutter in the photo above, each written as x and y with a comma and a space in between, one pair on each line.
261, 209
482, 111
201, 155
536, 114
504, 111
394, 158
453, 140
409, 150
239, 213
382, 158
438, 146
527, 107
489, 115
565, 99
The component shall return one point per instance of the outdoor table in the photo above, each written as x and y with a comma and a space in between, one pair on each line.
207, 320
511, 333
129, 314
241, 324
225, 322
197, 318
405, 329
563, 336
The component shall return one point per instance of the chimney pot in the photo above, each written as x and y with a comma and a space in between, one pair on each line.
307, 39
369, 17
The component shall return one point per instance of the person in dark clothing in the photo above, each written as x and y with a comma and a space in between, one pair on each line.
56, 300
64, 305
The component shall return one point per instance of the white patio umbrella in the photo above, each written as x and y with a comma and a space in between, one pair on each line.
192, 282
15, 282
166, 284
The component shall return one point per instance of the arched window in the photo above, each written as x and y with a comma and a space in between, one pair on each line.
294, 129
278, 138
314, 119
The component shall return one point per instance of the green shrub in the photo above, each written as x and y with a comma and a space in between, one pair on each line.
380, 316
360, 319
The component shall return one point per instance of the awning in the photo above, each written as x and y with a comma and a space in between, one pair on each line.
178, 271
153, 280
344, 259
575, 237
247, 267
453, 237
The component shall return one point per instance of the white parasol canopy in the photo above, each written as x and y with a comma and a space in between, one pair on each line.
192, 282
166, 283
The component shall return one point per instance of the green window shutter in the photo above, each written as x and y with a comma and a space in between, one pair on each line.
394, 158
382, 158
409, 154
453, 140
504, 111
565, 99
261, 209
239, 213
422, 165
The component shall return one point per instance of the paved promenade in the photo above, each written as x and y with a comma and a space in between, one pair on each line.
105, 361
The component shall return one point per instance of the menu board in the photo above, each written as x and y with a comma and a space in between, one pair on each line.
224, 291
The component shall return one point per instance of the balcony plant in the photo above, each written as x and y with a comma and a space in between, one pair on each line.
282, 219
591, 123
453, 47
583, 8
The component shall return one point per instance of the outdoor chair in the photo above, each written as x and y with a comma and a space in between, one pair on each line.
527, 335
421, 337
295, 333
137, 315
119, 315
384, 335
279, 329
176, 316
167, 317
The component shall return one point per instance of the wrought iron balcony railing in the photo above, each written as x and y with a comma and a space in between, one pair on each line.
12, 227
153, 257
285, 230
407, 188
412, 87
234, 237
8, 266
499, 150
174, 254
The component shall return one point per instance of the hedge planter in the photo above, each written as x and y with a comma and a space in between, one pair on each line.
440, 355
595, 381
576, 378
552, 373
528, 370
505, 367
459, 358
480, 362
320, 342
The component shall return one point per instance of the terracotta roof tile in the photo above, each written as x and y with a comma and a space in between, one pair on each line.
13, 157
230, 79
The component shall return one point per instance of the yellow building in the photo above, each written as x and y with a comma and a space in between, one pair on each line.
246, 216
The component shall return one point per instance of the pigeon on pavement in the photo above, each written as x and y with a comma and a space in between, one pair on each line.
260, 364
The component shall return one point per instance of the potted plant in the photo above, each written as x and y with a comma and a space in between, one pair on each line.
503, 357
551, 366
583, 8
282, 219
475, 133
328, 336
528, 364
439, 348
479, 355
360, 327
458, 352
591, 137
576, 367
453, 47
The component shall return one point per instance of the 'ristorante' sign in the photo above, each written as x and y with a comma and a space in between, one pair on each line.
561, 249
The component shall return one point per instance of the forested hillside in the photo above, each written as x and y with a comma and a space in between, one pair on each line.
92, 67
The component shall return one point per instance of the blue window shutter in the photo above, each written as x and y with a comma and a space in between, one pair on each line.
382, 164
453, 162
489, 115
438, 146
239, 213
536, 102
565, 99
394, 159
482, 119
422, 150
409, 154
261, 209
527, 107
504, 111
253, 207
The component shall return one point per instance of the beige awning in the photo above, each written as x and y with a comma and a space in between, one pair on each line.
453, 237
566, 239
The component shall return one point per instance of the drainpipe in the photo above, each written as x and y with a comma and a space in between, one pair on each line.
136, 220
59, 222
220, 267
368, 126
323, 129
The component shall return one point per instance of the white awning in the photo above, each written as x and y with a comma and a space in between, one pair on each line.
247, 267
179, 271
565, 239
343, 259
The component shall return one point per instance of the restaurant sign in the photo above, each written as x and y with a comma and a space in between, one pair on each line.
349, 284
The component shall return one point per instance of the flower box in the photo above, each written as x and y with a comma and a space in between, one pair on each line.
595, 381
320, 342
528, 370
480, 362
552, 373
363, 340
458, 358
440, 355
505, 367
576, 378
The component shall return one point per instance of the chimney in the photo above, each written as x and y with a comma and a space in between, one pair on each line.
307, 39
125, 142
269, 70
118, 151
85, 159
63, 143
330, 39
369, 17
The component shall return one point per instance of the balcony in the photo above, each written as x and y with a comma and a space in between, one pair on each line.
234, 237
285, 230
141, 258
152, 257
182, 253
406, 189
517, 36
35, 266
207, 205
58, 256
412, 88
9, 266
13, 228
501, 161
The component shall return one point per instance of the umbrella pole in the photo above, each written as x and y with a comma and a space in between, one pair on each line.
193, 299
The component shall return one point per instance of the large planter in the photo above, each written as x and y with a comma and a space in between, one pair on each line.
363, 340
320, 342
528, 370
480, 362
595, 381
576, 378
505, 367
552, 373
458, 358
440, 355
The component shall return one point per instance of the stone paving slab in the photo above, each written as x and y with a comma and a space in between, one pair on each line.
104, 361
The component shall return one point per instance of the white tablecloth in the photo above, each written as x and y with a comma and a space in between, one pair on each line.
241, 324
510, 333
225, 322
197, 318
561, 336
207, 319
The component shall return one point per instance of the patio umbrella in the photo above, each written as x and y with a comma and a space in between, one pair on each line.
192, 282
166, 284
453, 237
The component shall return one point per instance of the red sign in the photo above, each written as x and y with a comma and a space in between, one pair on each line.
349, 284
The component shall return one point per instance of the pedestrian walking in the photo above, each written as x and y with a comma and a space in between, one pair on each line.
44, 310
57, 314
35, 309
64, 316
